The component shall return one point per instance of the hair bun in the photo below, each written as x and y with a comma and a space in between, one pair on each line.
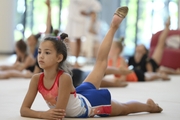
56, 32
63, 36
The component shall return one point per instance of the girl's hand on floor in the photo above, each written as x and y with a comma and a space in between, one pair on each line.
54, 114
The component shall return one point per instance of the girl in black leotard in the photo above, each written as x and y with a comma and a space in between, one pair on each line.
32, 44
141, 62
23, 61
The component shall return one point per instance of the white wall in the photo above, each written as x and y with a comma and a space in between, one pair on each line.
7, 20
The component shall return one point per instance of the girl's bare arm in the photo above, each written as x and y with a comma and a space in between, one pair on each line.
65, 88
26, 110
48, 21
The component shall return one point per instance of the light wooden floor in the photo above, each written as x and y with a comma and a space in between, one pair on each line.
165, 93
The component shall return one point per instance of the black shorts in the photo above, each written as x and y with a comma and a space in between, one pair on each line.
78, 76
155, 66
31, 68
140, 75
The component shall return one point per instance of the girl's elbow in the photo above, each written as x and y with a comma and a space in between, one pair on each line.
22, 112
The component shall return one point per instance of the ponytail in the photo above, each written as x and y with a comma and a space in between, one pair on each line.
55, 32
64, 65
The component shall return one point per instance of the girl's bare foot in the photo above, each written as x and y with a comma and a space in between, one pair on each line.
177, 71
154, 108
120, 82
124, 71
164, 76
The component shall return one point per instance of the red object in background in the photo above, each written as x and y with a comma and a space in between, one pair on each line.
171, 57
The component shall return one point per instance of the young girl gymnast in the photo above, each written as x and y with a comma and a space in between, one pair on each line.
33, 39
22, 50
138, 74
87, 100
147, 68
24, 61
116, 65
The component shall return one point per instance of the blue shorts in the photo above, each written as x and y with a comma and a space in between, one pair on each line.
100, 99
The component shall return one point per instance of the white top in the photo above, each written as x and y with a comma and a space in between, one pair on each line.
77, 6
76, 106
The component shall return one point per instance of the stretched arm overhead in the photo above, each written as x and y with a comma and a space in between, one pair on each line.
48, 22
158, 52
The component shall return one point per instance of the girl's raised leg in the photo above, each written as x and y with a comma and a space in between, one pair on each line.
158, 52
99, 69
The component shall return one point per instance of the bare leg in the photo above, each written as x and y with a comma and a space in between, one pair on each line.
167, 70
14, 73
134, 107
158, 52
99, 69
113, 83
178, 71
3, 75
6, 67
120, 71
151, 76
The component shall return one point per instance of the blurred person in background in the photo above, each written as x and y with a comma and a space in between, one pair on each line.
79, 11
141, 62
24, 61
92, 37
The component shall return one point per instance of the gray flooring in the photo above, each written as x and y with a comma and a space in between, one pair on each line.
165, 93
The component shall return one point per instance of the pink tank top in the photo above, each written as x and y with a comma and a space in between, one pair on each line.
75, 106
50, 95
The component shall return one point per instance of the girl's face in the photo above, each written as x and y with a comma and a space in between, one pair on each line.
141, 49
31, 41
47, 55
114, 51
18, 52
